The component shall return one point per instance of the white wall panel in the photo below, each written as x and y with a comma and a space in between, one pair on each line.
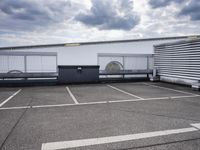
49, 64
137, 63
3, 64
28, 61
16, 63
151, 62
87, 54
34, 63
41, 64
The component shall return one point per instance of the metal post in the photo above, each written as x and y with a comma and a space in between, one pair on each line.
25, 63
148, 66
57, 63
154, 72
123, 59
8, 63
97, 59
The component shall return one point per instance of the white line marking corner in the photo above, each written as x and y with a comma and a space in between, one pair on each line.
117, 89
9, 98
161, 87
72, 96
196, 125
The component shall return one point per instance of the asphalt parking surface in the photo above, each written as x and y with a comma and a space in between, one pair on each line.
40, 96
148, 91
95, 93
38, 115
5, 93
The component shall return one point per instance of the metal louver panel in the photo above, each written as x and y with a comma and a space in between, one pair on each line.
178, 60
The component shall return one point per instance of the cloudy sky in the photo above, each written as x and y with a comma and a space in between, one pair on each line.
30, 22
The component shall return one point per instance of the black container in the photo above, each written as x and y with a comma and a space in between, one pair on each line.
78, 74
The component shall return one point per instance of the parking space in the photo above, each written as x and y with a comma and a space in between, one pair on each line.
182, 88
100, 117
32, 96
145, 90
97, 93
184, 108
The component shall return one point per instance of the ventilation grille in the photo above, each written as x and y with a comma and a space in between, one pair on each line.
180, 60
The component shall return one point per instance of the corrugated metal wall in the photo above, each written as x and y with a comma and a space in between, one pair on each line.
180, 60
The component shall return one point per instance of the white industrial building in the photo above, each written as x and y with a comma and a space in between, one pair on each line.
128, 54
75, 53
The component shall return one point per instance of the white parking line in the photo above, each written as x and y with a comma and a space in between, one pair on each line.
100, 102
196, 125
189, 96
112, 139
14, 108
136, 100
170, 89
72, 96
117, 89
63, 105
149, 99
9, 98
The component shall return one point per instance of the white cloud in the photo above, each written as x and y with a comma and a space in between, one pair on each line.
164, 21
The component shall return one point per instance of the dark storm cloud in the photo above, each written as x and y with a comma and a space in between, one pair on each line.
162, 3
192, 10
26, 15
110, 14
